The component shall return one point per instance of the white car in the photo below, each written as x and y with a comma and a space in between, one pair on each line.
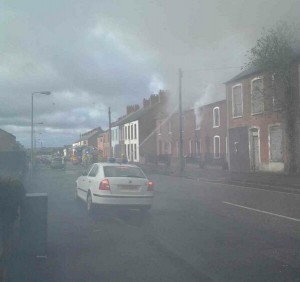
112, 184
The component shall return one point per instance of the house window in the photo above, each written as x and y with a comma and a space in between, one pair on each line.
216, 117
160, 147
170, 148
170, 126
159, 127
131, 131
276, 90
276, 146
237, 101
216, 147
257, 97
197, 146
125, 128
134, 131
135, 152
190, 147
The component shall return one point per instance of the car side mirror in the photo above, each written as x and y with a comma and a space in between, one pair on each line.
84, 173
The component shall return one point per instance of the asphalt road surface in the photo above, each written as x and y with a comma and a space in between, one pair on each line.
196, 231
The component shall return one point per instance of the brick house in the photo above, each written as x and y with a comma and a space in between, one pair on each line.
100, 143
7, 141
204, 135
256, 131
90, 138
211, 133
138, 127
103, 144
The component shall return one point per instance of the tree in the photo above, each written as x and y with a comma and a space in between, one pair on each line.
275, 53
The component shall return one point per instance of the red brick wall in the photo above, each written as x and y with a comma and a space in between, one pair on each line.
261, 121
207, 131
7, 141
190, 134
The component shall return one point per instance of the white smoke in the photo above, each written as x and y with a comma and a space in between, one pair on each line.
208, 96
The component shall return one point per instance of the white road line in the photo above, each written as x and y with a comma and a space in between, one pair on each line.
270, 213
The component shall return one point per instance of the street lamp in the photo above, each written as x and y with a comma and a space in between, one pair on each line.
31, 153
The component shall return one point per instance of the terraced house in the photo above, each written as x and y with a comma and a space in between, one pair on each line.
257, 136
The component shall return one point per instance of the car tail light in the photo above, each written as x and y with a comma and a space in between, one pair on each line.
104, 185
150, 186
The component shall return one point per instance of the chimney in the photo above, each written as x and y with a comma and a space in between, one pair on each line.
146, 103
131, 109
154, 99
162, 96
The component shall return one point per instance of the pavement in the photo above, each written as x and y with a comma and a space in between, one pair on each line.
264, 180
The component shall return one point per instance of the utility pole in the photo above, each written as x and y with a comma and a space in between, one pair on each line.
109, 121
181, 161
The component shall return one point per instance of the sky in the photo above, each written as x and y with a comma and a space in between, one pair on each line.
97, 54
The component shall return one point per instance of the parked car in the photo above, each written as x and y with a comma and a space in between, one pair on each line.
115, 185
57, 162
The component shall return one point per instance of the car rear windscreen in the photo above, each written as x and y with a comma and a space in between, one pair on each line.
123, 171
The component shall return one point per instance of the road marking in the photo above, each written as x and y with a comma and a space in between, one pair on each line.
270, 213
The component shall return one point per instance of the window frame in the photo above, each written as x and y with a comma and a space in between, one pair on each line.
214, 118
232, 100
159, 127
282, 140
97, 170
219, 156
262, 81
170, 126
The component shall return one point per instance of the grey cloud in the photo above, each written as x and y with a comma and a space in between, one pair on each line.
95, 54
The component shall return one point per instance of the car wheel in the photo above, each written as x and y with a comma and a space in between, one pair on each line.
76, 198
89, 204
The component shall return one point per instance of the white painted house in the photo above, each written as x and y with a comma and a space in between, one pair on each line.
131, 141
115, 141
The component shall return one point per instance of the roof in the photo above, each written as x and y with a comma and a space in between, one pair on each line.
243, 74
213, 104
91, 133
135, 115
252, 70
7, 133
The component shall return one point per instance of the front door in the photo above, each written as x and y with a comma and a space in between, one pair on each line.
254, 149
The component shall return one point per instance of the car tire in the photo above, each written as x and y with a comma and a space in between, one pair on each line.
89, 204
76, 198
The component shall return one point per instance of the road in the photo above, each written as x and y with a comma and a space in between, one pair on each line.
196, 231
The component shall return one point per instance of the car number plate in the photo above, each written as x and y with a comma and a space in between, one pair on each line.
129, 187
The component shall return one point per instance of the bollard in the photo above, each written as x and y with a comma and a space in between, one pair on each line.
33, 231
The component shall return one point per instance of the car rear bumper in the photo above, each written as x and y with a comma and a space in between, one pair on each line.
120, 200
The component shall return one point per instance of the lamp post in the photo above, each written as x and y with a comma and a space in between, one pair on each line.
31, 153
34, 134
